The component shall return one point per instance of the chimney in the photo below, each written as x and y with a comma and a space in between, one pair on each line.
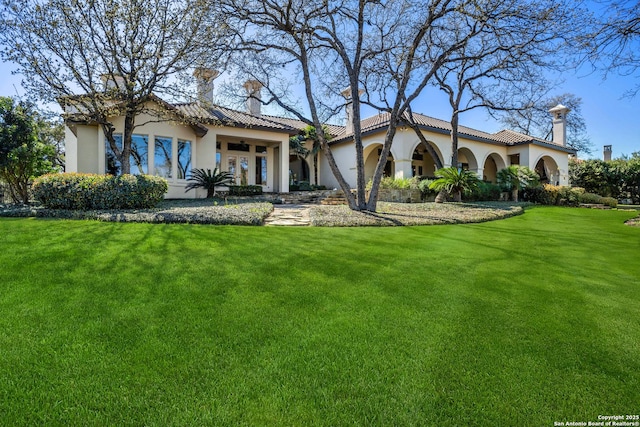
559, 113
112, 81
204, 77
254, 100
349, 109
607, 153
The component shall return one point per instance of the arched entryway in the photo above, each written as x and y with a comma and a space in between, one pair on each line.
422, 163
492, 165
467, 160
371, 156
299, 169
547, 168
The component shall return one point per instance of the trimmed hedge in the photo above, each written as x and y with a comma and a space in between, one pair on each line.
245, 190
78, 191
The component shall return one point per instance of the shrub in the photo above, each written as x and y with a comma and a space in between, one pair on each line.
388, 182
245, 190
425, 190
590, 198
90, 191
609, 201
485, 192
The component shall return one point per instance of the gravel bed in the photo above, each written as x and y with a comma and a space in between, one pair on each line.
174, 211
394, 214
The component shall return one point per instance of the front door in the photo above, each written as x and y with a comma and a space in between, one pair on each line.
238, 166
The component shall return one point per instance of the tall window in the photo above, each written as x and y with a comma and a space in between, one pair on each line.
112, 165
218, 160
139, 154
162, 157
138, 159
244, 170
184, 159
261, 170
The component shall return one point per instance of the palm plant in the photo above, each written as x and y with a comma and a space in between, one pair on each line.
201, 178
515, 177
455, 182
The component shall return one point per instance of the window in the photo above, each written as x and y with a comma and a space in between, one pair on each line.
112, 165
218, 161
232, 166
261, 149
184, 159
243, 146
261, 170
162, 157
244, 170
138, 159
139, 154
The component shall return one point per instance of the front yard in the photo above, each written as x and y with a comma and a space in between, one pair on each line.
527, 321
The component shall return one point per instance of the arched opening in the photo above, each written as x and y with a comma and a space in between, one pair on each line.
422, 163
466, 160
371, 156
298, 169
547, 168
492, 165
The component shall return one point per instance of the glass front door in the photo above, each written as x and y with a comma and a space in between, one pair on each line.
238, 166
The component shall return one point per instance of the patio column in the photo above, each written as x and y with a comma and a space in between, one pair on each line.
284, 166
403, 168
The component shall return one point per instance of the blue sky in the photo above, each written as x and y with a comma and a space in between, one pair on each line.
610, 118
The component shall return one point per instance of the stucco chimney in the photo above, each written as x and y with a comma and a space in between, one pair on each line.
112, 81
254, 100
559, 113
349, 109
607, 153
204, 77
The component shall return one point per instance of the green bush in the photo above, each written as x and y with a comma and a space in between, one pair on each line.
485, 192
388, 182
90, 191
245, 190
425, 191
590, 198
609, 201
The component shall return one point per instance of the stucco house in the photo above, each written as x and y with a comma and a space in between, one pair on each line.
255, 147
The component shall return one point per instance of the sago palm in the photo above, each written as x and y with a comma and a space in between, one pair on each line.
515, 178
201, 178
455, 182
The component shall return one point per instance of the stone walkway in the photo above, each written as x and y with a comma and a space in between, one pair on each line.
289, 215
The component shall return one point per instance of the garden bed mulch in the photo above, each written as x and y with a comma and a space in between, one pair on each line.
397, 214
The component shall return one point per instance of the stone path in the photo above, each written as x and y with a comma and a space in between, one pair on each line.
289, 215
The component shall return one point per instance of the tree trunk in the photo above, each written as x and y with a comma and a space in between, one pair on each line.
372, 203
441, 197
514, 194
457, 197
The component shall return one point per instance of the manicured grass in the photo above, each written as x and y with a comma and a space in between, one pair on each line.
525, 321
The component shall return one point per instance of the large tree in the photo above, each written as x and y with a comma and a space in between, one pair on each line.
23, 154
383, 50
614, 44
535, 120
504, 60
104, 59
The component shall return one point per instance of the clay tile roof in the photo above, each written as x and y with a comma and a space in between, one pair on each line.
228, 117
507, 137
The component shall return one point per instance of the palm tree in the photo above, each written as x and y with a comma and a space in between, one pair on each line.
200, 178
515, 177
455, 182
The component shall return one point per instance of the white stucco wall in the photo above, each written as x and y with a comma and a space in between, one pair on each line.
470, 151
85, 149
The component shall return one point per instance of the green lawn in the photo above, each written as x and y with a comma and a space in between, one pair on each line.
524, 321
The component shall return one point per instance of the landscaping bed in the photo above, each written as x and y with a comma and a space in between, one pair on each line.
200, 211
393, 214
